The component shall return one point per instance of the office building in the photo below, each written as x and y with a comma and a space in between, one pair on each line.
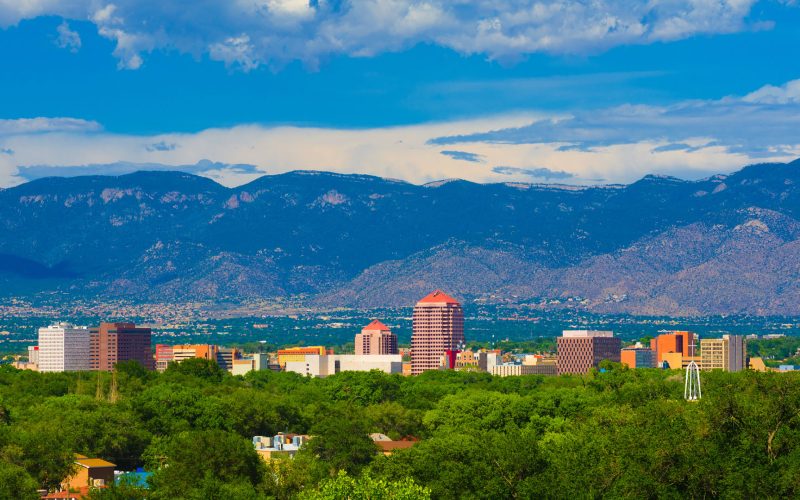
581, 350
638, 357
726, 353
112, 343
376, 338
438, 326
64, 347
33, 356
225, 357
674, 342
299, 353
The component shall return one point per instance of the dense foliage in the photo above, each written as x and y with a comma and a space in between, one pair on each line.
620, 433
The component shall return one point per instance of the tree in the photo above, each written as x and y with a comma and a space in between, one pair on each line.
341, 441
366, 487
197, 464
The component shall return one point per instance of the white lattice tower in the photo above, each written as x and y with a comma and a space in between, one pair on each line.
691, 388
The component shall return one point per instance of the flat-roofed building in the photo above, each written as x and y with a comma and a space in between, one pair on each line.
726, 353
64, 347
112, 343
299, 353
515, 369
638, 357
438, 326
581, 350
315, 365
678, 341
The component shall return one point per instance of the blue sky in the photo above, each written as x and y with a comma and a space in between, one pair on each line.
506, 90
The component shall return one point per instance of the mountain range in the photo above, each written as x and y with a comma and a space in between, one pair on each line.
728, 244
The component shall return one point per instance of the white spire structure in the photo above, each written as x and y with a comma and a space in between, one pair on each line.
691, 388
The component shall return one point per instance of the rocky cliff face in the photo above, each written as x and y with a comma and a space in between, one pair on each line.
728, 244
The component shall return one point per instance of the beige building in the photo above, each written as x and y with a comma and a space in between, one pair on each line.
727, 353
323, 366
376, 338
512, 370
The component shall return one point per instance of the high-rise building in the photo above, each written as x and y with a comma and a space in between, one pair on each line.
581, 350
438, 326
678, 341
64, 347
638, 357
726, 353
112, 343
376, 338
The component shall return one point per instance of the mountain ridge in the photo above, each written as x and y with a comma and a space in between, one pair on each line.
173, 236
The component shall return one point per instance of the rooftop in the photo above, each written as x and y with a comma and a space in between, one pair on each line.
376, 325
438, 297
586, 333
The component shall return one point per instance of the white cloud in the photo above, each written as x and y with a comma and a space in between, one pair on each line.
249, 33
689, 139
68, 39
41, 124
768, 94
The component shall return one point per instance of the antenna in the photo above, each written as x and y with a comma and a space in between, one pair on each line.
691, 387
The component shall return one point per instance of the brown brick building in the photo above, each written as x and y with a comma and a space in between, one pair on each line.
111, 343
581, 350
438, 325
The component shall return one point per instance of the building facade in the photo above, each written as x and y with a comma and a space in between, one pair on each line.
376, 338
298, 353
112, 343
674, 342
64, 347
726, 353
438, 326
581, 350
638, 357
515, 369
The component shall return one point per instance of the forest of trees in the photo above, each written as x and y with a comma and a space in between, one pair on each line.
619, 433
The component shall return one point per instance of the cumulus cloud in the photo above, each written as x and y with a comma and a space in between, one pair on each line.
68, 39
788, 93
247, 34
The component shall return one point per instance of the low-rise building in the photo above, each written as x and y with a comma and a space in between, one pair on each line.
638, 357
280, 446
89, 472
516, 369
299, 353
314, 365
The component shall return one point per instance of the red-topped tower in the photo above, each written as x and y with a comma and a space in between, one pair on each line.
438, 327
376, 338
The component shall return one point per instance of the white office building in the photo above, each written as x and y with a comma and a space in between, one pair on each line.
63, 347
315, 365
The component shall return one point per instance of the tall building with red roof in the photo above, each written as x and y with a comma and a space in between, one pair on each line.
438, 327
376, 338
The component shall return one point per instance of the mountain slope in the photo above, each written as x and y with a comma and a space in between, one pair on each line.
661, 245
